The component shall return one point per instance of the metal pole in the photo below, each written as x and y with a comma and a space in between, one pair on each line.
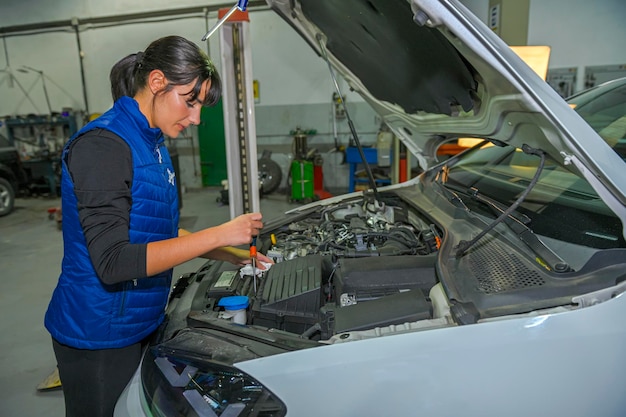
81, 56
45, 93
6, 57
239, 121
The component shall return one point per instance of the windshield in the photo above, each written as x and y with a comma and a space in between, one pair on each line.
604, 108
503, 173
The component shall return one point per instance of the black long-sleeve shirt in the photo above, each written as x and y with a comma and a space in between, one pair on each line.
102, 171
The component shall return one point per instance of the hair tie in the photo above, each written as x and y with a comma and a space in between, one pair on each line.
139, 59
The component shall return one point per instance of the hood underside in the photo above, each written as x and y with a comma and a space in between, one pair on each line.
427, 75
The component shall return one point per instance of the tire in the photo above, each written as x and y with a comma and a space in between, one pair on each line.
7, 197
270, 175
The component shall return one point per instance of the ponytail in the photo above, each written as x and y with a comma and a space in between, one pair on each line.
180, 60
122, 76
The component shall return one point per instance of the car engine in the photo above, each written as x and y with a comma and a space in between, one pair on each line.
351, 266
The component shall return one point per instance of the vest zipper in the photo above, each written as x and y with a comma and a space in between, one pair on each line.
127, 287
123, 301
157, 152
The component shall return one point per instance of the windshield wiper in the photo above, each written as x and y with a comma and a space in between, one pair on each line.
555, 262
498, 208
441, 180
517, 222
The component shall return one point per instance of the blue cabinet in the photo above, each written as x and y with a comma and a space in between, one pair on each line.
353, 157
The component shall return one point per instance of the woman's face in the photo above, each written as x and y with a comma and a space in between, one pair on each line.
174, 110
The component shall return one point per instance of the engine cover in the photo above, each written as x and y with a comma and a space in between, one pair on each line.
289, 296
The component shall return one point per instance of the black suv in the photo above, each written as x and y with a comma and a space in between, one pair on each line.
12, 176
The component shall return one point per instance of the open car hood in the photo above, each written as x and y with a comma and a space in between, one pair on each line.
434, 73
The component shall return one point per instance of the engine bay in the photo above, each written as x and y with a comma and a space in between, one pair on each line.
369, 266
351, 266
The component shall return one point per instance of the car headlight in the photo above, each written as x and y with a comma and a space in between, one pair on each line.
192, 376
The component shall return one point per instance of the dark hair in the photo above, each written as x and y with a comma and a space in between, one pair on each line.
182, 62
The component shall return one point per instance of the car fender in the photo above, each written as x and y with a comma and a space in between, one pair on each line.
555, 364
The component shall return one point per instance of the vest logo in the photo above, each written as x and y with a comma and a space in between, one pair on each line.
171, 177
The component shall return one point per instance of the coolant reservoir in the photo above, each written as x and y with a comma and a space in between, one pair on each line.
234, 308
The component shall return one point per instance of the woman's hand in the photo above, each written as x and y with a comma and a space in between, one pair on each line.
241, 229
259, 259
239, 257
263, 258
213, 243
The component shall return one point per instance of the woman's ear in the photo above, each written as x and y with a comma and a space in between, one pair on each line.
156, 81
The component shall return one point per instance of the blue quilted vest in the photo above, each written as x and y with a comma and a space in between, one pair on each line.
84, 312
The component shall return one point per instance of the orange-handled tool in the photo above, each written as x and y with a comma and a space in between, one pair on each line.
253, 249
253, 258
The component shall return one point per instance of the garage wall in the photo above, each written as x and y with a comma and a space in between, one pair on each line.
295, 87
582, 33
280, 58
575, 29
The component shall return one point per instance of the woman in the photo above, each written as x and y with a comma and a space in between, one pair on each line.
120, 222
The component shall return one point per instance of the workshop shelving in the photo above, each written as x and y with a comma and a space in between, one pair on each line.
40, 139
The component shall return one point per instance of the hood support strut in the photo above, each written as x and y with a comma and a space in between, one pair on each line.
368, 170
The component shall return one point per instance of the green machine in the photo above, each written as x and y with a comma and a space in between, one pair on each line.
212, 142
301, 171
302, 181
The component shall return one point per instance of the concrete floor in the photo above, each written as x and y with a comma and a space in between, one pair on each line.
31, 250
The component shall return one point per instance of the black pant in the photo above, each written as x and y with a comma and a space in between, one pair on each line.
93, 380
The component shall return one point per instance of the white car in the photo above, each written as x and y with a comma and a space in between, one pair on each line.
490, 285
